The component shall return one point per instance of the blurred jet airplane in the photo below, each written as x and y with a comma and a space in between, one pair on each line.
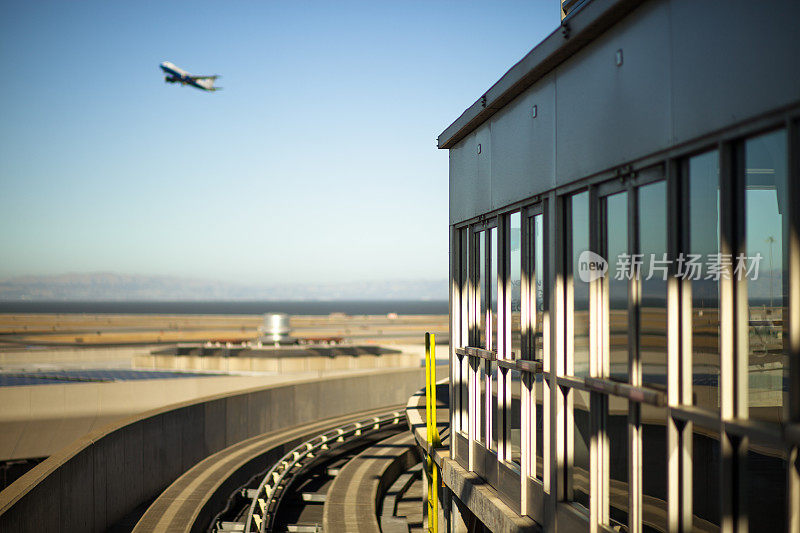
175, 74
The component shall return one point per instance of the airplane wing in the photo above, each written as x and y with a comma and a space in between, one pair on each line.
214, 77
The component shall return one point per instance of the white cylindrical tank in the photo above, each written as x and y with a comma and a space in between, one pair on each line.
276, 328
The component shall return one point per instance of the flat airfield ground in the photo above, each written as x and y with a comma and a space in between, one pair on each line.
39, 344
17, 330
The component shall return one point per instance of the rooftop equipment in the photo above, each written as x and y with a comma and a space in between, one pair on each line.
276, 329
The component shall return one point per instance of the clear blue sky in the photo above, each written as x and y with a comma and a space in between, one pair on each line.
316, 162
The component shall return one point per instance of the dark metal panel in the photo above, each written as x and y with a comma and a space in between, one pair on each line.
462, 449
523, 145
608, 114
571, 518
733, 63
470, 191
536, 500
485, 463
508, 486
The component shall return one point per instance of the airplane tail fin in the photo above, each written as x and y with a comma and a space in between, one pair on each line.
207, 82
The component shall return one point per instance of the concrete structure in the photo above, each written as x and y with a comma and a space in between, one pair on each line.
39, 420
658, 400
64, 357
96, 481
358, 489
278, 359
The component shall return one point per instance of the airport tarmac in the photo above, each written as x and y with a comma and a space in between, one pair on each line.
67, 375
115, 330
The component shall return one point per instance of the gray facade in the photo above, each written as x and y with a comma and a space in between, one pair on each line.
689, 69
665, 131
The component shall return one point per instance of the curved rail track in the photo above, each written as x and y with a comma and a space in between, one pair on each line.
290, 481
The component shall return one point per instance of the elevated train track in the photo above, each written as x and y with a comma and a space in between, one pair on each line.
358, 472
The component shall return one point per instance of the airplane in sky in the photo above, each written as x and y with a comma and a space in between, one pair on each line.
175, 74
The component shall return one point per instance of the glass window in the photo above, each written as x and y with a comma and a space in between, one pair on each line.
579, 226
539, 395
515, 415
705, 478
537, 306
515, 282
654, 468
492, 285
617, 428
464, 370
765, 235
494, 422
653, 276
481, 288
704, 239
481, 414
765, 488
616, 239
580, 451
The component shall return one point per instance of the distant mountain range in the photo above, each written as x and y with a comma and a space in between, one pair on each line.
99, 286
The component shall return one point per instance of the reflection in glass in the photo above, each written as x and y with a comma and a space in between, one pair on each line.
539, 394
515, 415
580, 450
515, 284
537, 307
765, 234
464, 400
515, 281
705, 478
616, 248
493, 311
617, 427
481, 289
492, 284
493, 409
653, 276
765, 486
481, 414
654, 468
704, 239
580, 299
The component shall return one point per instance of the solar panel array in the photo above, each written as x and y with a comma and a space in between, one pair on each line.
50, 377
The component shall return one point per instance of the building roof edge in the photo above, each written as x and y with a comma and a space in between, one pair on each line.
576, 31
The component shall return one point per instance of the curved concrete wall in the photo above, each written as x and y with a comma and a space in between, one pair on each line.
39, 420
100, 478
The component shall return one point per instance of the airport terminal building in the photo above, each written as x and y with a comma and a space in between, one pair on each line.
625, 276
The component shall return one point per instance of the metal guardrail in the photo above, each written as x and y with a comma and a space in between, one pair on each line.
265, 498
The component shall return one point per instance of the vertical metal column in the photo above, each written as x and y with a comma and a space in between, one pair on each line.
547, 349
793, 403
491, 287
473, 411
503, 338
454, 334
634, 373
598, 402
556, 364
733, 338
527, 396
679, 352
568, 361
466, 316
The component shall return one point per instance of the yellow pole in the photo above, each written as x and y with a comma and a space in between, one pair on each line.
432, 432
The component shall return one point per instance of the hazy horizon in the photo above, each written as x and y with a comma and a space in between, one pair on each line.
110, 286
